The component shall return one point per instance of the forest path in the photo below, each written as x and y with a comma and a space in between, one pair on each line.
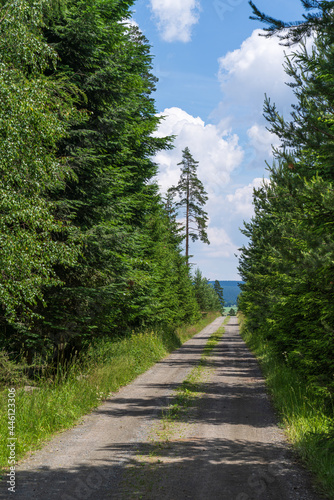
227, 447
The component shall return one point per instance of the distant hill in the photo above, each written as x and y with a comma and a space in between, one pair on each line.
231, 291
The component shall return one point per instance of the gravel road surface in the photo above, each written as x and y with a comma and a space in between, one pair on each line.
228, 448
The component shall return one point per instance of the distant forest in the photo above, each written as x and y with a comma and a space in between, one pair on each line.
231, 291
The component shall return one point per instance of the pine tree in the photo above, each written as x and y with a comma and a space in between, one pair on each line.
206, 296
287, 266
111, 200
192, 198
220, 292
318, 16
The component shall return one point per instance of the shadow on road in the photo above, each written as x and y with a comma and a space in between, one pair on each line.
185, 469
215, 459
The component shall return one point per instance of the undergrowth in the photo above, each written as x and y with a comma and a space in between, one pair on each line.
58, 403
304, 414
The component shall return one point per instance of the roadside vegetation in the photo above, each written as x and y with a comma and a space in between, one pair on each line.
94, 286
287, 266
304, 414
58, 401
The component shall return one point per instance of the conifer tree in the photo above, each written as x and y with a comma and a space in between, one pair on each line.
192, 198
287, 267
206, 296
220, 292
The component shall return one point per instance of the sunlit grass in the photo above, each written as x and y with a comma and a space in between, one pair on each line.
303, 413
58, 403
190, 388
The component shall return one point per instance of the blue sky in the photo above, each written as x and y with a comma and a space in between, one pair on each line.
214, 70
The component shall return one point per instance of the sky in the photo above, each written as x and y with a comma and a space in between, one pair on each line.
214, 70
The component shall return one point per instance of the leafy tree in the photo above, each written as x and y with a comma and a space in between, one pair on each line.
193, 197
35, 114
220, 292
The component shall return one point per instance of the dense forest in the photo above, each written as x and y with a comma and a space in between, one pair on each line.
288, 264
88, 246
231, 291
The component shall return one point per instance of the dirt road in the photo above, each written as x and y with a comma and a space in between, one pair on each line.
229, 446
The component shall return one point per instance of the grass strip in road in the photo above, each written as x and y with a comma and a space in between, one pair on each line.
190, 388
58, 404
302, 413
142, 475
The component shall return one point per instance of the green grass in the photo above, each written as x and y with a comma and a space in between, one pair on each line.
304, 415
186, 332
227, 309
142, 474
58, 404
190, 388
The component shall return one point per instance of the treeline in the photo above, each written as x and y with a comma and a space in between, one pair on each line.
87, 247
288, 265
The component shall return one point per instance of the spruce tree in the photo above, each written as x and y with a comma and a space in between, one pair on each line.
220, 292
287, 265
193, 197
206, 296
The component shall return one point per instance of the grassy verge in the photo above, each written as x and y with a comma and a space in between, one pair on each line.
302, 412
59, 403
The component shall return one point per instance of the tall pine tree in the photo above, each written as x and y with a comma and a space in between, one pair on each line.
192, 197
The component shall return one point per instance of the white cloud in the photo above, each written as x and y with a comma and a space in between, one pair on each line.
217, 260
175, 18
262, 140
250, 72
241, 202
221, 244
130, 22
217, 152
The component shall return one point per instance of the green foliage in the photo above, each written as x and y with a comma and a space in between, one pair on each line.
220, 292
193, 197
132, 274
34, 116
288, 267
11, 373
89, 250
318, 16
206, 296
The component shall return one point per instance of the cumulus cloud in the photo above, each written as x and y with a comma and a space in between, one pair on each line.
217, 260
221, 245
175, 18
250, 72
262, 140
241, 201
217, 152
